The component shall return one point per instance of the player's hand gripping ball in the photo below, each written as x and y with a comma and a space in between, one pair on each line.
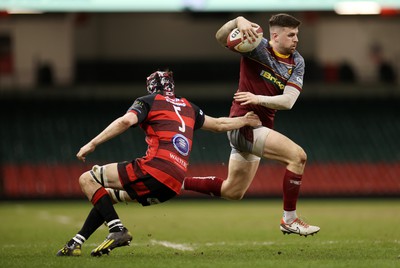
234, 41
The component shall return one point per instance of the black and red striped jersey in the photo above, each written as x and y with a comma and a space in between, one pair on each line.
169, 124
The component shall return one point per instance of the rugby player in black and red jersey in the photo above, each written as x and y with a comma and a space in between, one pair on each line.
168, 122
271, 79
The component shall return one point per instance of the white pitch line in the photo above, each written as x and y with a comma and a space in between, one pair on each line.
45, 215
168, 244
62, 219
245, 243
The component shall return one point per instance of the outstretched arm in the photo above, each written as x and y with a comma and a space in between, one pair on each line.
246, 27
117, 127
223, 124
278, 102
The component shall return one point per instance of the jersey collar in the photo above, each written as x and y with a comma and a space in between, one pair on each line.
283, 56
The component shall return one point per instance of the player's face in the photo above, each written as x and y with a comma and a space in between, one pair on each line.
287, 40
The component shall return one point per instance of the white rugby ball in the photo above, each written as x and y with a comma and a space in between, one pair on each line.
234, 41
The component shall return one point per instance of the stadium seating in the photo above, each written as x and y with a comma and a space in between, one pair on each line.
352, 146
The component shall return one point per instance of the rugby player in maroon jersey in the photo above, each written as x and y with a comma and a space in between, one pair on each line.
271, 79
168, 122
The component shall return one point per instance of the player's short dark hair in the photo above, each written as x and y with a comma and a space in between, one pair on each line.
284, 20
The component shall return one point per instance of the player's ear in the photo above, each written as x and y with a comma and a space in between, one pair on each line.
274, 36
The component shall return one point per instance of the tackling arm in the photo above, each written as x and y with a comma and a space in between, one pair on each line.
223, 124
117, 127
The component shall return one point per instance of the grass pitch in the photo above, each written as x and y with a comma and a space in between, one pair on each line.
218, 233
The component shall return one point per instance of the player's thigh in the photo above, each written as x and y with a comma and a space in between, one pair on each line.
107, 175
281, 148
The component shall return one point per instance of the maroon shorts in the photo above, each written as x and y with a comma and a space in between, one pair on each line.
145, 189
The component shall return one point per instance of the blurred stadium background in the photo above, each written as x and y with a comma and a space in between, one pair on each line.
66, 71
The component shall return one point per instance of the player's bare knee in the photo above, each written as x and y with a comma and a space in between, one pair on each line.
236, 197
302, 156
299, 158
233, 195
84, 180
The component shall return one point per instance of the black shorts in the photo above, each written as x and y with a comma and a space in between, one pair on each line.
146, 190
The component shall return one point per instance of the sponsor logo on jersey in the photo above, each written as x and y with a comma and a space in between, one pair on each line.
181, 144
137, 106
179, 160
175, 101
138, 103
272, 79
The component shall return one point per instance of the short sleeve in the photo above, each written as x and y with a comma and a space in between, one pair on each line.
141, 108
199, 116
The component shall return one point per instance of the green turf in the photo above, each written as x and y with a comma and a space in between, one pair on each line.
354, 233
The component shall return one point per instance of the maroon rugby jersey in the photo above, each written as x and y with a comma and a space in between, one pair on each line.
265, 72
169, 124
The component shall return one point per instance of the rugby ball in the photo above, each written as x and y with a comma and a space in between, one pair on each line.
234, 40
